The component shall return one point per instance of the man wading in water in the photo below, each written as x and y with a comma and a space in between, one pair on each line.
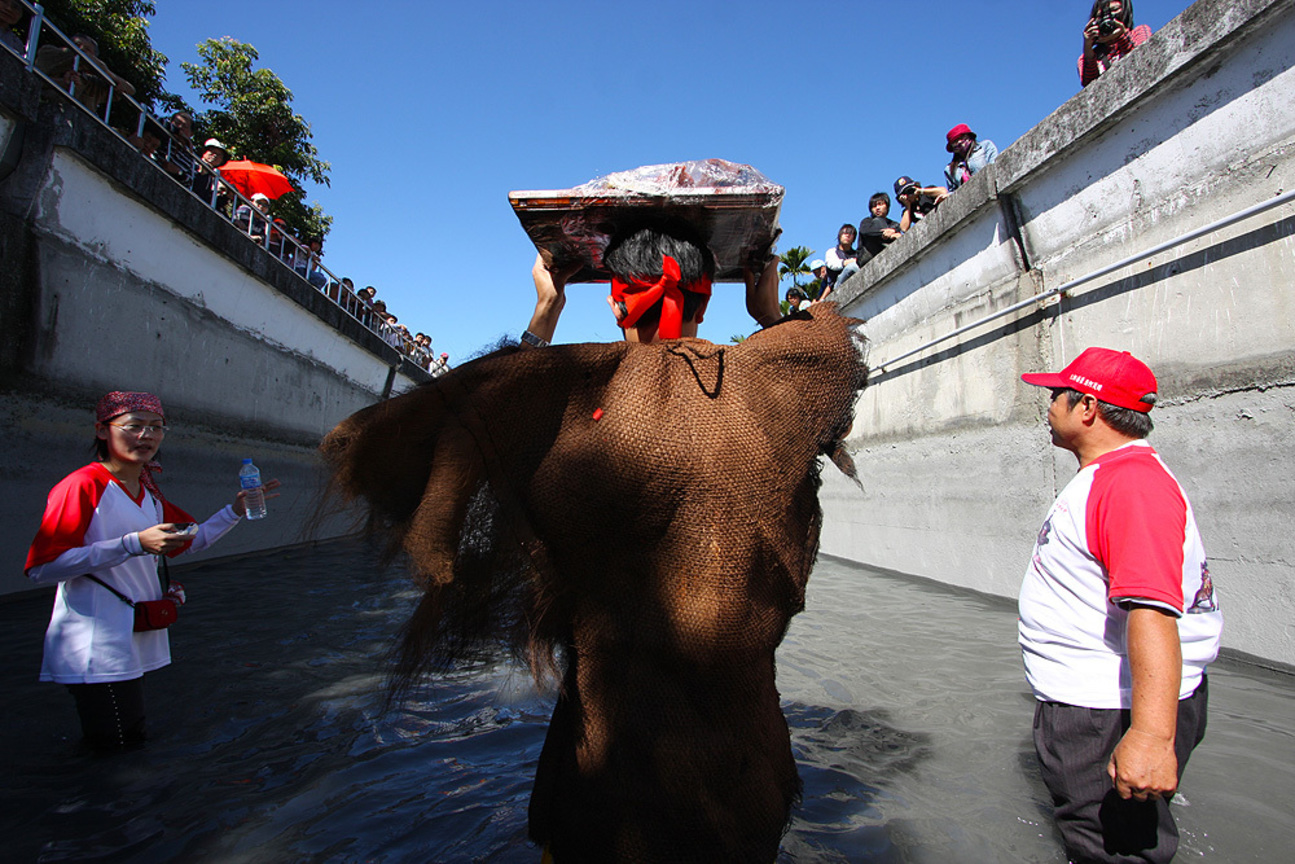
639, 518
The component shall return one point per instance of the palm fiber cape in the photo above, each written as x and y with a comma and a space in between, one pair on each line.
640, 520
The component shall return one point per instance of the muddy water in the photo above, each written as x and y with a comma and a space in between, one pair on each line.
909, 716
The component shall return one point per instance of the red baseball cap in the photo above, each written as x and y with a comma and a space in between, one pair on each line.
1115, 377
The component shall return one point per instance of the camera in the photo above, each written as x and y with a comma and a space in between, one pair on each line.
1107, 23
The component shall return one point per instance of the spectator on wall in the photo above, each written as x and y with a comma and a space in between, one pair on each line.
969, 155
388, 328
841, 260
918, 200
89, 81
822, 279
306, 262
149, 139
877, 231
1108, 36
205, 182
253, 219
441, 365
795, 300
406, 339
177, 157
12, 22
368, 301
421, 352
344, 294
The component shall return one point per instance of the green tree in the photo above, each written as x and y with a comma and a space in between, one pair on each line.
793, 264
121, 29
251, 111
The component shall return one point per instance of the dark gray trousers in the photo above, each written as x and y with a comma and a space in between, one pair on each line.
1098, 826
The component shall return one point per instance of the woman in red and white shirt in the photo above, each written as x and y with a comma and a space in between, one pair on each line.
109, 520
1108, 36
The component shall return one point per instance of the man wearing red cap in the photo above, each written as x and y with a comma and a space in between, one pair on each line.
1118, 620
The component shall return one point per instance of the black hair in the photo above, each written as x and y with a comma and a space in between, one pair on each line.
879, 196
854, 230
636, 254
99, 449
1126, 12
1126, 421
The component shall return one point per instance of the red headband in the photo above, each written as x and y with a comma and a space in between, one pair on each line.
639, 295
118, 402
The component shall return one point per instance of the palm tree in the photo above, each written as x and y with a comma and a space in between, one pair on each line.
793, 263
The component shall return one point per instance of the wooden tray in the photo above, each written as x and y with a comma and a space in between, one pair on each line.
572, 223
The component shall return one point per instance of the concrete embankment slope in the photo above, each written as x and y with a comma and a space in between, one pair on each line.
1194, 126
114, 277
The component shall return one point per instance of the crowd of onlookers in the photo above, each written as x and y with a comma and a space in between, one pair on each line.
855, 247
169, 144
1109, 35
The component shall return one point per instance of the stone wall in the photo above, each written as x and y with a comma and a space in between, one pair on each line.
1193, 126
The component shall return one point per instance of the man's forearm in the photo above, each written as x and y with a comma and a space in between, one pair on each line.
1156, 666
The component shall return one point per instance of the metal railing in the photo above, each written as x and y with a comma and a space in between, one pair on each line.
1098, 273
292, 253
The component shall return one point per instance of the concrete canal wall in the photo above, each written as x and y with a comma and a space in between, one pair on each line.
114, 277
1195, 125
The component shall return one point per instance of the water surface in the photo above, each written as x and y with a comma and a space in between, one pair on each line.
910, 722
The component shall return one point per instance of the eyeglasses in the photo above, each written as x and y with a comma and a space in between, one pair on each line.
141, 428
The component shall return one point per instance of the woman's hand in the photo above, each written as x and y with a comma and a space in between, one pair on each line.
162, 538
240, 500
1090, 37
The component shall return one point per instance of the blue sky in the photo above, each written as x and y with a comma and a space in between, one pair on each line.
430, 113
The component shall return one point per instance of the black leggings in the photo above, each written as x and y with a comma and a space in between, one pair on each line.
112, 713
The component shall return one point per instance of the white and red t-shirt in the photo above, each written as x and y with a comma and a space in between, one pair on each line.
1122, 530
92, 525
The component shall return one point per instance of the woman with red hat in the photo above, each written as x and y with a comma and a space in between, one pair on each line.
969, 155
105, 528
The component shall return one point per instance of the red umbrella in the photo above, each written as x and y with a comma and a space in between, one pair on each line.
253, 177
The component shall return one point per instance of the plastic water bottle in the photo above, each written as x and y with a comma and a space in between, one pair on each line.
249, 476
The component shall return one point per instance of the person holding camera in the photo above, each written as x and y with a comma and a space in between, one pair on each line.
917, 200
1108, 36
105, 528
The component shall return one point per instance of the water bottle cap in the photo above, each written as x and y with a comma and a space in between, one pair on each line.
247, 461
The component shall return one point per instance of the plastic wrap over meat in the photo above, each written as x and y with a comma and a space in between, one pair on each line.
734, 206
